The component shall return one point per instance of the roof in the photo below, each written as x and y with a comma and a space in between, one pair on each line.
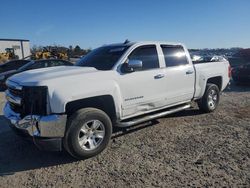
145, 43
120, 44
24, 40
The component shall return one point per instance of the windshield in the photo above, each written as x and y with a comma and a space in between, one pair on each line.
24, 67
103, 58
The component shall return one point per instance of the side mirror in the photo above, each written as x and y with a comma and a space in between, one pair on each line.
131, 66
134, 65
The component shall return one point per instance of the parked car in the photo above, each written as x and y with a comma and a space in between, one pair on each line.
31, 65
12, 65
204, 59
241, 74
115, 85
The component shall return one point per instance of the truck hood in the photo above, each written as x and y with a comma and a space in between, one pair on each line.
69, 83
51, 74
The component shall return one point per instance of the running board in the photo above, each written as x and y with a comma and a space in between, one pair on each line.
151, 117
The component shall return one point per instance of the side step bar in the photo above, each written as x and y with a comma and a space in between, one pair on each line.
151, 117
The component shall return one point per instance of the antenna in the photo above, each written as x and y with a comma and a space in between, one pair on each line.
126, 41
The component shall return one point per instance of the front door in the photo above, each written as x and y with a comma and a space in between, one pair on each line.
143, 90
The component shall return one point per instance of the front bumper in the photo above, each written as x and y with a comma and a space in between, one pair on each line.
42, 128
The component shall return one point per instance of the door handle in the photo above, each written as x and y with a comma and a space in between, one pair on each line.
158, 76
189, 72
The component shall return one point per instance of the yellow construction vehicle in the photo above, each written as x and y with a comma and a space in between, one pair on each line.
42, 55
3, 58
62, 55
50, 52
9, 54
58, 53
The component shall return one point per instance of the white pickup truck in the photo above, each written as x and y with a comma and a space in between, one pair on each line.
115, 85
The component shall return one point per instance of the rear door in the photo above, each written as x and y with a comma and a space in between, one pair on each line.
179, 74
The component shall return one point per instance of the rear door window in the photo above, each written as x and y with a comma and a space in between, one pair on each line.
174, 55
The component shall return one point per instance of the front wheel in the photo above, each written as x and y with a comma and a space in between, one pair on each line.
88, 133
210, 99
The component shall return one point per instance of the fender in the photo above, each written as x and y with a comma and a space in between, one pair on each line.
59, 97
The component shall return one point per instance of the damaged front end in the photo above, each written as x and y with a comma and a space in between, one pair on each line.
27, 109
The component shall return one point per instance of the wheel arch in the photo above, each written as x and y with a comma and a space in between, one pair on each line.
202, 84
217, 80
104, 102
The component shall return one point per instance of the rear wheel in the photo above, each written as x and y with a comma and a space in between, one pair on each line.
210, 99
88, 133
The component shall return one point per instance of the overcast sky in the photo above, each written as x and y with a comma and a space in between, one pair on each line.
91, 23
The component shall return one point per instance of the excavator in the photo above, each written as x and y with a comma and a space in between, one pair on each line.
9, 54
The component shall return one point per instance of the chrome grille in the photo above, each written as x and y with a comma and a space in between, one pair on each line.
14, 96
27, 100
15, 92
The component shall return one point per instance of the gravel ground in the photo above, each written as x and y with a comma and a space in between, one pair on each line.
188, 149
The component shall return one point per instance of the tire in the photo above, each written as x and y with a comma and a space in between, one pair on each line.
210, 100
88, 133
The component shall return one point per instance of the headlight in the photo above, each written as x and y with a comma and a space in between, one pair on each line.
2, 77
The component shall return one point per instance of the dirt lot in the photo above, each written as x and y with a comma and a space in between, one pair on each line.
186, 149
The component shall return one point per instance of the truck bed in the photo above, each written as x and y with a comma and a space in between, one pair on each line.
210, 70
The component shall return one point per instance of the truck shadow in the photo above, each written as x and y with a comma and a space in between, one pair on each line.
118, 132
18, 155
